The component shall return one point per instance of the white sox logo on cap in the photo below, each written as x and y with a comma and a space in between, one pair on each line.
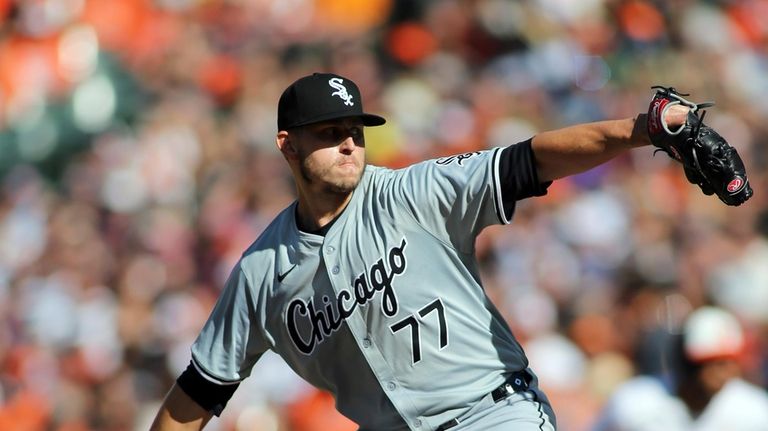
341, 91
308, 100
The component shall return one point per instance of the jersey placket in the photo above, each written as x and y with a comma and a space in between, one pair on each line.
339, 280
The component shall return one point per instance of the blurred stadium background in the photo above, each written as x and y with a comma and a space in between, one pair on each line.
137, 162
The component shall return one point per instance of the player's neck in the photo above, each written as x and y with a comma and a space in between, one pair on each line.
315, 211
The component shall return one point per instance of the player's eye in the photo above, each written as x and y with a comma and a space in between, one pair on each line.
331, 134
356, 132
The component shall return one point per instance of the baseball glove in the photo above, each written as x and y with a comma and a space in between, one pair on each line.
708, 160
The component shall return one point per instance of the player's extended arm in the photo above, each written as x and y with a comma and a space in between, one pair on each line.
578, 148
180, 412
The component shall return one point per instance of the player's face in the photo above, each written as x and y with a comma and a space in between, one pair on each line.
332, 154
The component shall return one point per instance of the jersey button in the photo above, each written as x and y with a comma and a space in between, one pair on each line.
335, 269
330, 249
366, 342
391, 386
417, 423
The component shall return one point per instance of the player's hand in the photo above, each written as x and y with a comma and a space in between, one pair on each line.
708, 160
676, 115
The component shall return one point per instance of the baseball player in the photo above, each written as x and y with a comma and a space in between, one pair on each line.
367, 284
705, 388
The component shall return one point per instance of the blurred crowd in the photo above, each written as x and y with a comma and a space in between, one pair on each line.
137, 162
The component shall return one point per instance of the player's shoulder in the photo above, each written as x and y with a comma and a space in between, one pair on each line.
643, 403
377, 177
746, 392
750, 401
638, 394
373, 171
459, 163
455, 160
277, 233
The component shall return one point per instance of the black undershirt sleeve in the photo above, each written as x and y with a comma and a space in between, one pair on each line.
209, 395
518, 175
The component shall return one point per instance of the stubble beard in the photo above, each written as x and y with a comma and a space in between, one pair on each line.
330, 185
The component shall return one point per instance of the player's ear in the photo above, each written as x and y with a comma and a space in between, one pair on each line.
285, 144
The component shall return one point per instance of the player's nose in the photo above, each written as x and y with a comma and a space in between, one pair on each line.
347, 146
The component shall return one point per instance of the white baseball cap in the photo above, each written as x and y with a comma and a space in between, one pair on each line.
712, 333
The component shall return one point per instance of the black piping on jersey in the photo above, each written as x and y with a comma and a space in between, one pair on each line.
541, 415
518, 178
498, 198
208, 376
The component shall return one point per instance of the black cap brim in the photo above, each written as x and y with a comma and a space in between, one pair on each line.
369, 120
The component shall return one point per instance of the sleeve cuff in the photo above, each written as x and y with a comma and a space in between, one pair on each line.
210, 395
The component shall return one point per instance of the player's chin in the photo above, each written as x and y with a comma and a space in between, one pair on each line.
342, 188
346, 183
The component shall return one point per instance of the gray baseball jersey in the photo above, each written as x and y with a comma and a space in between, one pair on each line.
386, 310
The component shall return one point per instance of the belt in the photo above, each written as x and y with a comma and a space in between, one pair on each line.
516, 382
